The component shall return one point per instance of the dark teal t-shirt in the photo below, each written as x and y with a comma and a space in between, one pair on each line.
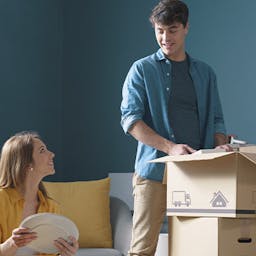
183, 111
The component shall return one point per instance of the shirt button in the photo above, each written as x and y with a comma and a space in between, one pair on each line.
167, 89
172, 136
168, 74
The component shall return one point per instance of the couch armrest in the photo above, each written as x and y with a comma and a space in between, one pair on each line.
121, 222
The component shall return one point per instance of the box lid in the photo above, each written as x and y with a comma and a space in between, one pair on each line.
248, 148
204, 156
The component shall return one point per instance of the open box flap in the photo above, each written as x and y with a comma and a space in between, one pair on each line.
192, 157
248, 148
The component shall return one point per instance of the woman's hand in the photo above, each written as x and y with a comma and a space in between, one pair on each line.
22, 236
65, 248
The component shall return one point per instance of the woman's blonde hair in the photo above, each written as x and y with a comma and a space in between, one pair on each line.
16, 156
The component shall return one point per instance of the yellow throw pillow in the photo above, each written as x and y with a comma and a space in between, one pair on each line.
87, 204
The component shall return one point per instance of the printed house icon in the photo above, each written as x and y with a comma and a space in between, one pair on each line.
219, 200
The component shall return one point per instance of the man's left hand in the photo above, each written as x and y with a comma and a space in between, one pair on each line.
227, 147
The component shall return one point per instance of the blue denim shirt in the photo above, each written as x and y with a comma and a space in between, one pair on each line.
146, 92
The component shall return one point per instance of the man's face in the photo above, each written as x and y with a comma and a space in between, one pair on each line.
171, 39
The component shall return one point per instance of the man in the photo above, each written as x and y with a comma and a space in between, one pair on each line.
171, 106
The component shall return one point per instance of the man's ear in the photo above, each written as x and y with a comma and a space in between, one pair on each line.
187, 28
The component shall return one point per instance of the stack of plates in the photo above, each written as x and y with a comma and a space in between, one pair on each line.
49, 227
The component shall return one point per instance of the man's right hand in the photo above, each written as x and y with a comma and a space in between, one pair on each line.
142, 132
180, 149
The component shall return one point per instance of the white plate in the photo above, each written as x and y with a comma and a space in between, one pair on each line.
49, 227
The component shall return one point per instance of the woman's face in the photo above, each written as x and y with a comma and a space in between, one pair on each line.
42, 159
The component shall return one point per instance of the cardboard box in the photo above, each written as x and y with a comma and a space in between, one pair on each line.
221, 184
248, 148
212, 236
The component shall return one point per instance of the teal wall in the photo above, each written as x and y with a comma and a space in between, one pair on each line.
222, 33
30, 64
101, 40
63, 64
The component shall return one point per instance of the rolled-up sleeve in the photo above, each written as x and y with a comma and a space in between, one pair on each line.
133, 97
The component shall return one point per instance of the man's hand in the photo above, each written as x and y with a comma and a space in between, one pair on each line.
180, 149
221, 141
142, 132
227, 147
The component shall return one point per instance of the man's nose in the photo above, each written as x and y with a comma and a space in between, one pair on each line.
166, 36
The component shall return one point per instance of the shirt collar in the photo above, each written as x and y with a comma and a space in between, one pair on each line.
160, 56
15, 196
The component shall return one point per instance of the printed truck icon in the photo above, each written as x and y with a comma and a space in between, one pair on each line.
180, 198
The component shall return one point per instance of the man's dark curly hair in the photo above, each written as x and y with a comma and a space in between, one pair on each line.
166, 12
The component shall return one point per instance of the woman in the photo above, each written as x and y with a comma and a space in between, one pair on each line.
25, 161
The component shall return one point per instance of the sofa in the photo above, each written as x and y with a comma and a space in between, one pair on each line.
104, 222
